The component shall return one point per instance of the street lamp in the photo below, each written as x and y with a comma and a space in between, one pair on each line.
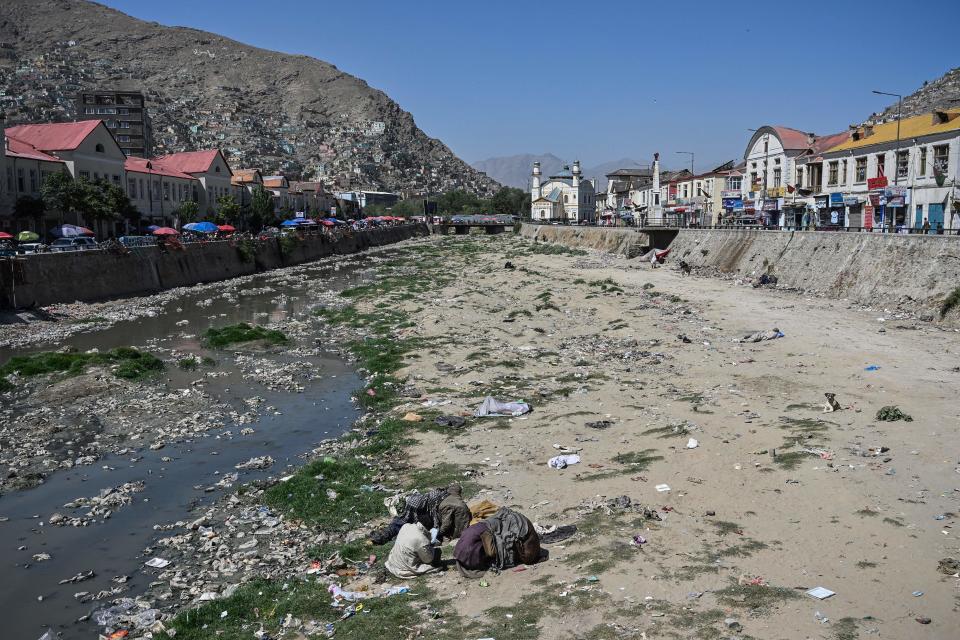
896, 156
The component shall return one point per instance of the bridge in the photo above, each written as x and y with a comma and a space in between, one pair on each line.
461, 225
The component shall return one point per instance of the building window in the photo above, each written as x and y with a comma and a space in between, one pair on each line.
941, 159
132, 188
84, 175
843, 172
833, 171
20, 183
99, 148
90, 111
116, 180
918, 219
799, 176
123, 138
881, 165
923, 162
9, 178
776, 177
124, 111
734, 183
166, 190
156, 189
33, 181
143, 194
903, 163
860, 169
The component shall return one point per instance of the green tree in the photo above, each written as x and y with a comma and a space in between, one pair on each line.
95, 204
119, 204
228, 211
61, 193
187, 212
261, 208
454, 202
30, 208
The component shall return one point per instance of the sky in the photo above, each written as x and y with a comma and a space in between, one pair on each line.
608, 80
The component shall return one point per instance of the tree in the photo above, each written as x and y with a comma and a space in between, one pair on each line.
454, 202
61, 193
30, 208
118, 203
96, 204
187, 212
261, 208
228, 211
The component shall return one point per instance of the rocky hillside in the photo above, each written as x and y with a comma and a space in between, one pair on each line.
265, 109
942, 93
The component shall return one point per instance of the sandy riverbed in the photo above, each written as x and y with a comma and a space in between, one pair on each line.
861, 526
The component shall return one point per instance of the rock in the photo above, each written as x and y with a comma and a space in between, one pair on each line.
733, 624
258, 462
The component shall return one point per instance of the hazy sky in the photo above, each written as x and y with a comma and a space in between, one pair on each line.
606, 80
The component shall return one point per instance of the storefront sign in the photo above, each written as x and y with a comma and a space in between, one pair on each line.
769, 205
874, 199
851, 201
834, 216
877, 183
896, 190
730, 194
868, 216
895, 201
820, 202
732, 203
836, 199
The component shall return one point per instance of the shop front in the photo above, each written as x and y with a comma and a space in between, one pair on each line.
771, 211
835, 215
854, 209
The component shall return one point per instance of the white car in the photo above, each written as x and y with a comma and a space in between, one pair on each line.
73, 244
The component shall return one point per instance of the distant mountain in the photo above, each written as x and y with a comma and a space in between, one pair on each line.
514, 171
942, 93
275, 111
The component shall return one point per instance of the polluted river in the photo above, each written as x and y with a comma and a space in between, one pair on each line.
75, 537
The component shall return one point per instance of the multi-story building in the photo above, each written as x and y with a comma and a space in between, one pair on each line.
22, 171
158, 191
881, 175
210, 167
564, 197
124, 113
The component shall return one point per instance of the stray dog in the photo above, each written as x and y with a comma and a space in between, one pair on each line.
684, 268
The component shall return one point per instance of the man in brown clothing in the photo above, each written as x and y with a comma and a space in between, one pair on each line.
454, 514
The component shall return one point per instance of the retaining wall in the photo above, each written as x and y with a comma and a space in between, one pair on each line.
624, 242
867, 267
88, 276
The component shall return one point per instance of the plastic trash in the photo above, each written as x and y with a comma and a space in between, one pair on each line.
450, 421
48, 635
395, 591
692, 443
820, 593
662, 488
562, 462
639, 540
157, 563
493, 407
872, 367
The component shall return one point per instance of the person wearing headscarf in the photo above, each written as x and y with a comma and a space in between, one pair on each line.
420, 507
454, 514
412, 554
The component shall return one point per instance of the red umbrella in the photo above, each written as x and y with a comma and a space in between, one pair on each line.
226, 227
326, 223
85, 232
165, 231
5, 236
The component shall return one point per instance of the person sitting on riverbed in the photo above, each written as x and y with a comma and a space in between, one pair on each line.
454, 514
412, 554
420, 507
505, 539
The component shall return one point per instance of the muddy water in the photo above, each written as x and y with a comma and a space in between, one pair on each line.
30, 597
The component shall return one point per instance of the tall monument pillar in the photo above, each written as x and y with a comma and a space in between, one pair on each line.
656, 206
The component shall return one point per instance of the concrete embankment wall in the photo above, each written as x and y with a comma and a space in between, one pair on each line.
624, 242
43, 279
867, 267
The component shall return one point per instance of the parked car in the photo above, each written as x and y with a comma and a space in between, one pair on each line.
29, 247
73, 244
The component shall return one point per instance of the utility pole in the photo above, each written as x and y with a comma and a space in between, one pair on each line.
896, 156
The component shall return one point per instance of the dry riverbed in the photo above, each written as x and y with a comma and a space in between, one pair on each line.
715, 453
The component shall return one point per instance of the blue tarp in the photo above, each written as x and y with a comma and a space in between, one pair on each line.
201, 227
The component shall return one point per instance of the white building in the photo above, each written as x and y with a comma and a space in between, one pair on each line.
564, 197
866, 182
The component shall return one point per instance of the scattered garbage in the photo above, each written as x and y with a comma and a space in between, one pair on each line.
761, 336
412, 417
662, 488
820, 593
563, 461
157, 563
493, 407
917, 594
599, 424
949, 566
450, 421
872, 367
693, 443
892, 413
258, 462
767, 279
639, 540
923, 620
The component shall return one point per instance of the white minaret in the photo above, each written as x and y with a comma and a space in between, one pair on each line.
576, 174
655, 204
535, 181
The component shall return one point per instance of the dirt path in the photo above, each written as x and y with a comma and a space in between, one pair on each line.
588, 341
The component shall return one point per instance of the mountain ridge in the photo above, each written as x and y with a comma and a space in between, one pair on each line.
272, 110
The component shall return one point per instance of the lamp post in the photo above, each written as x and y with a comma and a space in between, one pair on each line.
689, 153
896, 156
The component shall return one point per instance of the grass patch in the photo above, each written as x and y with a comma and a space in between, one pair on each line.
554, 250
866, 564
242, 332
126, 362
753, 597
601, 559
950, 302
725, 527
845, 629
678, 430
791, 459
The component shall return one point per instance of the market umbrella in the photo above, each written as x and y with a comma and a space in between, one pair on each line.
307, 221
326, 223
165, 231
5, 236
27, 236
153, 228
201, 227
226, 227
289, 223
70, 231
